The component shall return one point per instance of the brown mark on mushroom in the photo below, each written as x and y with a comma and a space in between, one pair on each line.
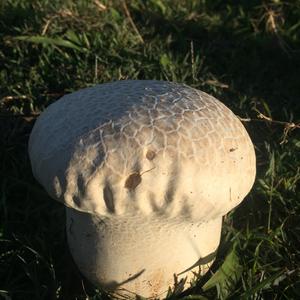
232, 149
133, 180
156, 282
150, 154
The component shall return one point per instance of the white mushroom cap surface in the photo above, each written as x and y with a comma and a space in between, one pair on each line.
155, 154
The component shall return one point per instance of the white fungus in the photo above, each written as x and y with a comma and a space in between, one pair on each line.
146, 169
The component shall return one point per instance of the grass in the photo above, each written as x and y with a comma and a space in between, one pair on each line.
245, 53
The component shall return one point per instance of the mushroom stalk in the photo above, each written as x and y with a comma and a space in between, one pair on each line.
141, 255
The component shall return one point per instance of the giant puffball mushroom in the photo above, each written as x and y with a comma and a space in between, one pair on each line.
146, 170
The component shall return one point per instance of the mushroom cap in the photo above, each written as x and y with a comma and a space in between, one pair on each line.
148, 147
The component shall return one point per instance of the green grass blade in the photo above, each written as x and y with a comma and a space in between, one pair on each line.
226, 276
58, 41
265, 283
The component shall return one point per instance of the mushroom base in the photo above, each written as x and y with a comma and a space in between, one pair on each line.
139, 255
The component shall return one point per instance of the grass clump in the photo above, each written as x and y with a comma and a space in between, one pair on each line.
245, 53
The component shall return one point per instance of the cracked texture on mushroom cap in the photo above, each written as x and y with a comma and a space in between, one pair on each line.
149, 147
